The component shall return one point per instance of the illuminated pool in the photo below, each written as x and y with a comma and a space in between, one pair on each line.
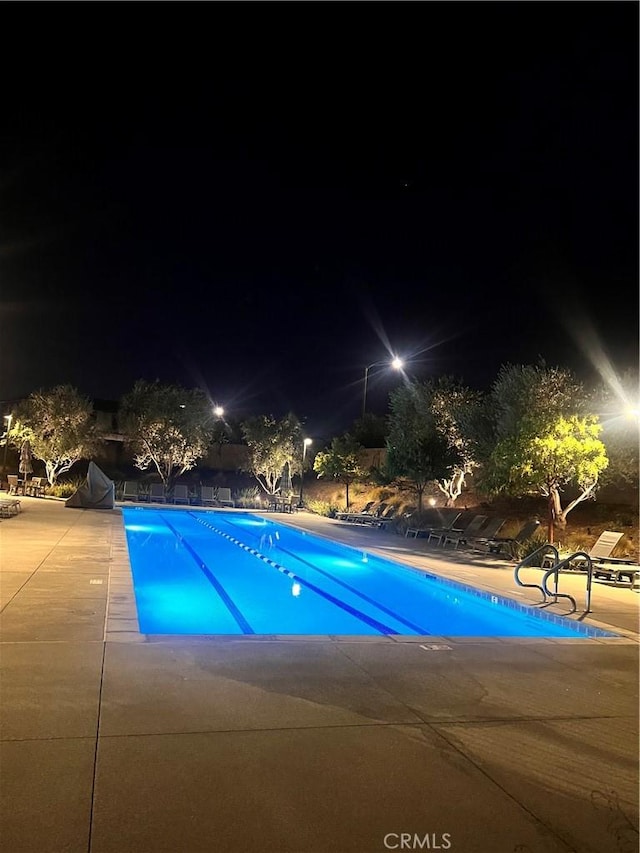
203, 572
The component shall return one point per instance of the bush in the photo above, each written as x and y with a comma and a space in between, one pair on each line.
248, 498
521, 550
64, 490
325, 508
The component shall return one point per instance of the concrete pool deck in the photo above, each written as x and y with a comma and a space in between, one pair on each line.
117, 742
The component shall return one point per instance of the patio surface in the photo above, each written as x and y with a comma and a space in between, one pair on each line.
117, 742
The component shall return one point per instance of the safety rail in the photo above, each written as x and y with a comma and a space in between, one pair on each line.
555, 571
525, 562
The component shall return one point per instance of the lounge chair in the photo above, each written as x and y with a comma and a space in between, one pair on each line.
604, 565
181, 494
157, 493
444, 521
458, 536
208, 496
438, 533
600, 551
364, 517
491, 529
602, 548
510, 543
366, 508
385, 518
130, 491
616, 571
223, 496
9, 507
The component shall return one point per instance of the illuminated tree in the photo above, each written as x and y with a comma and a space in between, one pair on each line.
271, 445
59, 426
451, 404
542, 440
167, 426
343, 462
420, 445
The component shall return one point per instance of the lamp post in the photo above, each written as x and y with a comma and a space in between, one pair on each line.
306, 442
396, 363
8, 419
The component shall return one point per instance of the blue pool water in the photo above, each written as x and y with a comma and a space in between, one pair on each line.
203, 572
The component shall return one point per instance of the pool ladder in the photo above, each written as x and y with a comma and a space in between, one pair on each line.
550, 550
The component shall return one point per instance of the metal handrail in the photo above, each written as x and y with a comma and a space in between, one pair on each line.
524, 562
555, 569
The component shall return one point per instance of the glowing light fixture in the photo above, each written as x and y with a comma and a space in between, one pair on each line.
396, 363
218, 411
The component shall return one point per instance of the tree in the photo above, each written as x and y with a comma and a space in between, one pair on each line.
167, 426
59, 426
451, 403
417, 451
543, 440
370, 430
272, 444
342, 462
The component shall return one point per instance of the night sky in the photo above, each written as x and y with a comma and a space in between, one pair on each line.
261, 199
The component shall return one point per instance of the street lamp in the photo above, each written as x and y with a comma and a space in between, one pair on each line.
8, 419
306, 442
218, 411
396, 363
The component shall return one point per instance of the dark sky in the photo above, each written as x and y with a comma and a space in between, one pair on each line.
261, 199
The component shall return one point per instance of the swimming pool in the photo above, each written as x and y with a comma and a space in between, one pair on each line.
207, 572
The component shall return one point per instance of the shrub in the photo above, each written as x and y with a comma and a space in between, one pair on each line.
248, 498
521, 550
321, 508
65, 489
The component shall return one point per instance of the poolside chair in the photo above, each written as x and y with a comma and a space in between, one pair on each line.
510, 543
14, 484
601, 551
386, 517
491, 529
208, 496
223, 496
459, 536
181, 494
603, 547
157, 493
366, 508
9, 507
364, 517
443, 522
130, 491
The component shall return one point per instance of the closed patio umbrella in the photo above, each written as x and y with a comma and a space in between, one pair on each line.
285, 481
25, 467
